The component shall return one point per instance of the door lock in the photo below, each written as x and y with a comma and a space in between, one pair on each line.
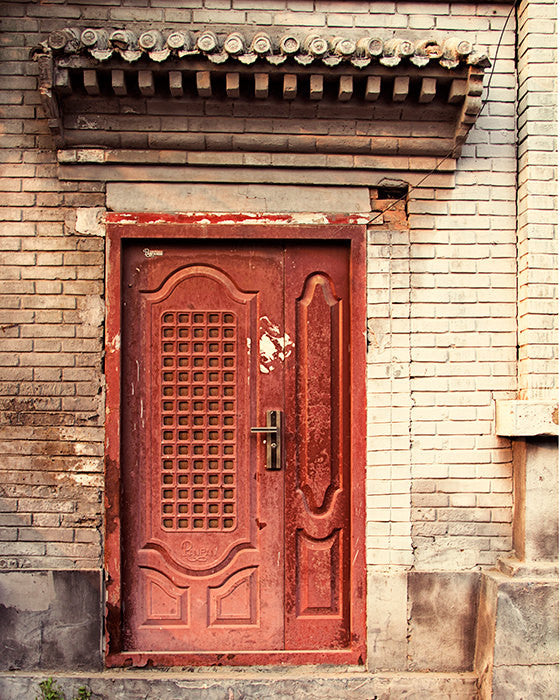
274, 431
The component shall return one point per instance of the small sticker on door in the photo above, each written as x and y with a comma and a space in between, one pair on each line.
152, 253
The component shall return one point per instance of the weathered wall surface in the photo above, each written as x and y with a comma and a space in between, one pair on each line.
443, 322
51, 328
537, 201
50, 619
442, 327
442, 309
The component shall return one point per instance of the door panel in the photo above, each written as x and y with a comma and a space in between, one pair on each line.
193, 496
219, 553
318, 515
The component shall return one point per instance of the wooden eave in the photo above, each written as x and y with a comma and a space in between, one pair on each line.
395, 97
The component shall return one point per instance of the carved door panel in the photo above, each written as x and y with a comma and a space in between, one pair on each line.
219, 553
318, 523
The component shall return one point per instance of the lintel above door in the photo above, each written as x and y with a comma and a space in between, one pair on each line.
130, 96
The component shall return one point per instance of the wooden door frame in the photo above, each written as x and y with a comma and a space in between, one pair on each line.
123, 227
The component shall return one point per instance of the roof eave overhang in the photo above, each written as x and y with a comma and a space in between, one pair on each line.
397, 98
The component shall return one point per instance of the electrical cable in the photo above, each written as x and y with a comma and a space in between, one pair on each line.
450, 154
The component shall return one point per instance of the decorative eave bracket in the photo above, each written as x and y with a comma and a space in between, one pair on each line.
366, 97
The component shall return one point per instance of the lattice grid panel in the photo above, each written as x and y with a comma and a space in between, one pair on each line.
198, 367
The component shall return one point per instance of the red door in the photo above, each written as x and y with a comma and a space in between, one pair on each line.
236, 541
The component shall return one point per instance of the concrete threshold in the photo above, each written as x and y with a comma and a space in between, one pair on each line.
301, 683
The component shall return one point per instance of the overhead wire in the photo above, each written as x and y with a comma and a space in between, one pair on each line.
452, 151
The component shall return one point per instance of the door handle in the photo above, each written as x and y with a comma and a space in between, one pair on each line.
274, 431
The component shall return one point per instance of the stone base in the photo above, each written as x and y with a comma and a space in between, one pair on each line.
517, 636
525, 418
267, 684
50, 619
422, 620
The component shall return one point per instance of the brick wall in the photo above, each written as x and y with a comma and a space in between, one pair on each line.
537, 201
463, 282
443, 315
442, 292
51, 327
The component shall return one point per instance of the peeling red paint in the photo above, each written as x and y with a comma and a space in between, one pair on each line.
276, 658
227, 218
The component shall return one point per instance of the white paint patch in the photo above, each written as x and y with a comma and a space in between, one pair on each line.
267, 349
273, 346
90, 155
80, 479
89, 221
152, 253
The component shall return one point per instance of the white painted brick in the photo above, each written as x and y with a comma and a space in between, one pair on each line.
421, 22
469, 24
381, 21
305, 19
340, 20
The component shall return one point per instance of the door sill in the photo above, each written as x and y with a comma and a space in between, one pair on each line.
166, 659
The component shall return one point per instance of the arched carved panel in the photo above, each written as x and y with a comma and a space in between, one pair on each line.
319, 326
200, 322
318, 574
235, 602
166, 603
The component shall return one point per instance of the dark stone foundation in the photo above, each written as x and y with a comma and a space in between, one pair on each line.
51, 619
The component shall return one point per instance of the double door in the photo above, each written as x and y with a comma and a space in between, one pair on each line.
238, 534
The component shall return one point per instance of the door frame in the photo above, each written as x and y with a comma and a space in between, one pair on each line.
123, 227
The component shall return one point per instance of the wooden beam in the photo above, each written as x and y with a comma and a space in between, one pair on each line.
118, 82
373, 88
62, 81
203, 83
49, 100
345, 88
315, 87
457, 91
192, 63
146, 82
400, 88
427, 90
175, 83
290, 86
261, 86
91, 83
232, 84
